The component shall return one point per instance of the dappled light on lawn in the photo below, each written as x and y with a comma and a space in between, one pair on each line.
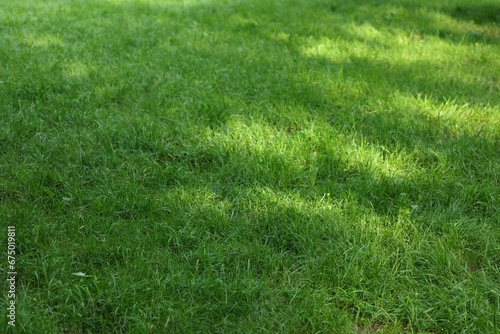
252, 165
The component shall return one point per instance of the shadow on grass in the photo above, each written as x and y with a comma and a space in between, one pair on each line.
479, 13
349, 94
321, 97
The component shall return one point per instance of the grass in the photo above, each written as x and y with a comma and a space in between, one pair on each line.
275, 166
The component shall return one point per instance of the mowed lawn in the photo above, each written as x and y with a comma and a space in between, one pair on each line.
251, 166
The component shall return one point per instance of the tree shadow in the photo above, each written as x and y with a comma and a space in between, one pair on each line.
316, 86
488, 13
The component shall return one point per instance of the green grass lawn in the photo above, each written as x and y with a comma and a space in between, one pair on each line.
251, 166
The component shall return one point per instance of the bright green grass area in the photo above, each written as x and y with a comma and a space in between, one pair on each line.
257, 166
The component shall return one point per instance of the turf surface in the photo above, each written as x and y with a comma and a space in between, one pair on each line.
276, 166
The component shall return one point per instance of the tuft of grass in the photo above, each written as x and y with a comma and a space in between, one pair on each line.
251, 166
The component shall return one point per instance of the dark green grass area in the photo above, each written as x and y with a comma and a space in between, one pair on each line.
277, 166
